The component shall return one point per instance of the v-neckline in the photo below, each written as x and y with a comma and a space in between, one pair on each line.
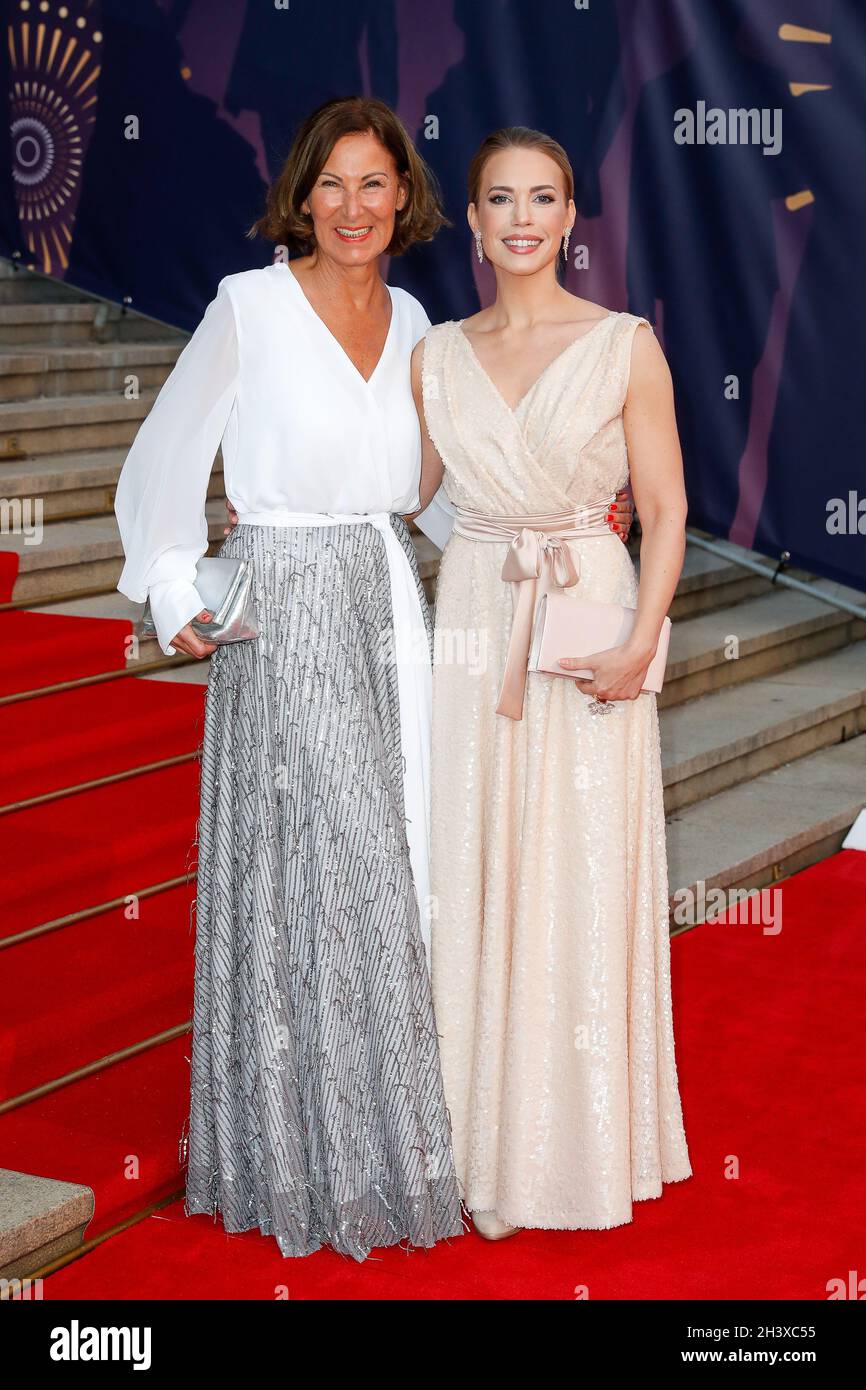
513, 410
367, 380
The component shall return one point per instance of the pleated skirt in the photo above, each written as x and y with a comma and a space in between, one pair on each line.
316, 1108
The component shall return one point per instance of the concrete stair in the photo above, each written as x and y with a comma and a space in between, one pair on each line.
20, 285
40, 1220
70, 370
84, 553
69, 323
754, 834
78, 484
59, 424
767, 632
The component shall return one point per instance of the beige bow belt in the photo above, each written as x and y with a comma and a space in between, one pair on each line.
537, 561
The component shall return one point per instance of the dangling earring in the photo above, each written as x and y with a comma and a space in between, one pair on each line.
565, 243
478, 245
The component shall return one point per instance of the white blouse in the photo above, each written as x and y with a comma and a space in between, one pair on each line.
305, 440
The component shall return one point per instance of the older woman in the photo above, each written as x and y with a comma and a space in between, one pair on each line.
316, 1108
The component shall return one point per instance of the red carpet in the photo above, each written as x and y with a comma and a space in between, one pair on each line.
9, 564
98, 845
80, 735
116, 1131
51, 647
132, 979
769, 1049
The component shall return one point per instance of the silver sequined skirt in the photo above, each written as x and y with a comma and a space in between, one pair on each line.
316, 1105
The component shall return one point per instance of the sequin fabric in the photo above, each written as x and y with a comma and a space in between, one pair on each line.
550, 947
316, 1104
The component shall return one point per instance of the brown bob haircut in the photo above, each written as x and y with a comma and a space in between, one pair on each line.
283, 222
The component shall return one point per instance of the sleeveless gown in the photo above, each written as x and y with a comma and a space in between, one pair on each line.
550, 945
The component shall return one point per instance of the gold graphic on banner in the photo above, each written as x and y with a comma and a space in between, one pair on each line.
54, 72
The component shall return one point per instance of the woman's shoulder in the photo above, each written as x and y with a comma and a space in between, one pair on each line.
442, 329
244, 286
631, 321
434, 344
589, 309
431, 353
241, 279
626, 336
409, 301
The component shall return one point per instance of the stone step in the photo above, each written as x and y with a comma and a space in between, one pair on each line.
711, 581
61, 424
725, 738
93, 321
40, 1220
756, 637
76, 484
751, 835
191, 673
82, 554
19, 285
54, 370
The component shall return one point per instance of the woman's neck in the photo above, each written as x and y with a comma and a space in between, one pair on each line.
358, 287
522, 301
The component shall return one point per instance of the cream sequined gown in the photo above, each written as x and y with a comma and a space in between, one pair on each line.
550, 944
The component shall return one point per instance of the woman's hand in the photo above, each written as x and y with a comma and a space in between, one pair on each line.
233, 519
188, 640
620, 513
618, 673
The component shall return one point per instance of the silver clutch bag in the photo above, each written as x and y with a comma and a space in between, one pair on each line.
226, 590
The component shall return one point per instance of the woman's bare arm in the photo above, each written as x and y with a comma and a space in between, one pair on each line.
432, 468
656, 472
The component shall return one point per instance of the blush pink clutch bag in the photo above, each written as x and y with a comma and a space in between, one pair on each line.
576, 626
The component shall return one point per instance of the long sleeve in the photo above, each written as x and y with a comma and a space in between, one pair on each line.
161, 492
437, 519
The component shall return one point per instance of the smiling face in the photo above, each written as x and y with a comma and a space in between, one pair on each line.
522, 210
354, 199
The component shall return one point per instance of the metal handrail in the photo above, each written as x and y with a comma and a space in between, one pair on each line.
776, 576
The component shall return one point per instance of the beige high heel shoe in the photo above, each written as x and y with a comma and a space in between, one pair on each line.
488, 1225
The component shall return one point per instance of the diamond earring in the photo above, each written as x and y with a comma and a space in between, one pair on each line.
478, 246
565, 242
